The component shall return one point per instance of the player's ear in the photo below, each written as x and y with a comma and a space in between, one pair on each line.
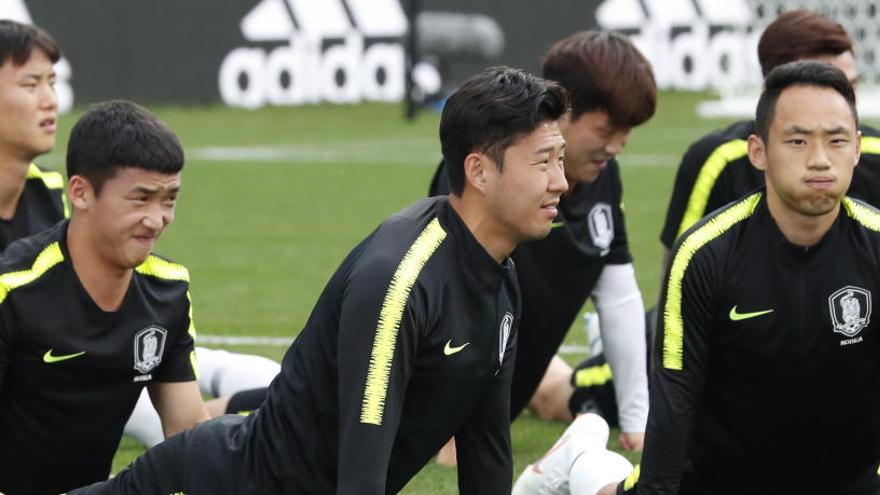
476, 170
757, 152
858, 146
80, 192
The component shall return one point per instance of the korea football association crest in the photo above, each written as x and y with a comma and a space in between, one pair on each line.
149, 344
600, 222
850, 310
504, 335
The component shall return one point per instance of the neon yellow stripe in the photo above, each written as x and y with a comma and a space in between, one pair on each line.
673, 324
382, 355
593, 376
633, 477
155, 266
53, 180
871, 145
192, 332
49, 257
709, 172
865, 215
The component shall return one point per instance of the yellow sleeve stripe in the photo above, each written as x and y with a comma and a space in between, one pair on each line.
592, 376
673, 323
865, 215
871, 145
49, 257
382, 355
633, 477
52, 180
709, 172
155, 266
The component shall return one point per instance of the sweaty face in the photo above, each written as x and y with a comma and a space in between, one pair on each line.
524, 195
28, 107
129, 214
591, 140
811, 151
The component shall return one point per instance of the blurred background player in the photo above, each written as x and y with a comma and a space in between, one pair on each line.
612, 90
31, 199
766, 306
414, 337
579, 463
88, 316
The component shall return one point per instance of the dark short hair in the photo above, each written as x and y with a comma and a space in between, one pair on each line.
800, 73
17, 42
117, 134
800, 34
490, 112
603, 70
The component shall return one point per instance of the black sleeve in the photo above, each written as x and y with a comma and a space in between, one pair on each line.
179, 359
679, 372
485, 459
619, 250
688, 170
6, 340
375, 363
440, 181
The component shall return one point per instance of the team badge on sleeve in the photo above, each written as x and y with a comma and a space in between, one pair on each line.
149, 344
601, 225
850, 310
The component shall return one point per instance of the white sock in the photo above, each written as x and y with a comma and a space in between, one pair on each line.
593, 470
225, 373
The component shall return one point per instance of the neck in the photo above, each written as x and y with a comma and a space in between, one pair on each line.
487, 231
13, 176
105, 283
800, 229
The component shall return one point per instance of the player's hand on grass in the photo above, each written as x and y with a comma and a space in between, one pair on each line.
632, 441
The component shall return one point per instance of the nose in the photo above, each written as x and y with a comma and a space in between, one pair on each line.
558, 184
157, 217
818, 158
48, 98
617, 141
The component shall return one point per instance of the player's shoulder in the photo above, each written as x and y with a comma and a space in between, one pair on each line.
870, 143
45, 177
28, 259
715, 230
729, 143
162, 271
863, 214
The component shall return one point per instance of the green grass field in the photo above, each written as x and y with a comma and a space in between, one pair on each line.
274, 199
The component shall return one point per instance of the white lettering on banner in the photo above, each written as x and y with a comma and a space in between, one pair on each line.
689, 48
328, 57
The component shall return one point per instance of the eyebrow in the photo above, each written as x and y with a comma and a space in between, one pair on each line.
548, 149
795, 129
154, 190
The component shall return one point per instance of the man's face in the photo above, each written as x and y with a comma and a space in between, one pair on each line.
28, 107
129, 214
846, 62
524, 195
811, 150
591, 140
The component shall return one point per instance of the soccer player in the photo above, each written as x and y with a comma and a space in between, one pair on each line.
767, 306
412, 340
579, 463
612, 90
31, 199
716, 170
88, 316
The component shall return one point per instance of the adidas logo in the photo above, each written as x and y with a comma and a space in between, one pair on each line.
16, 10
328, 51
692, 44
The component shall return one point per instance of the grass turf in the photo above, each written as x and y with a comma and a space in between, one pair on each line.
274, 199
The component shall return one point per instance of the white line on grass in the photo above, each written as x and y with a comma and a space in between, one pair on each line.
239, 340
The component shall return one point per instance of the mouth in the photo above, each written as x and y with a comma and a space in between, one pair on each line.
49, 125
549, 208
146, 239
820, 183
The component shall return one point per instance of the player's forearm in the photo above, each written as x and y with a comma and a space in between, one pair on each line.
621, 316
